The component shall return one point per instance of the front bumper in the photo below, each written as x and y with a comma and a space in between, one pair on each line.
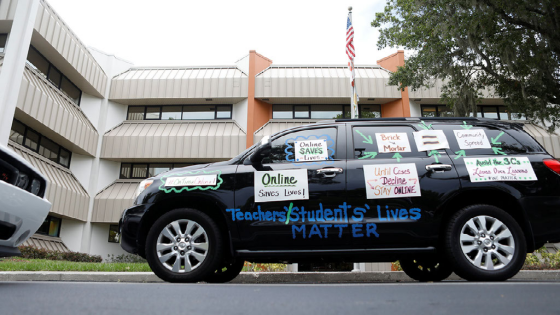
23, 212
130, 228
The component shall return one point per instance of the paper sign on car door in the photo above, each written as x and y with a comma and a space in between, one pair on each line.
389, 142
281, 185
391, 181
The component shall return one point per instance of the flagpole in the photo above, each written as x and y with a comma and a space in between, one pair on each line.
356, 266
353, 96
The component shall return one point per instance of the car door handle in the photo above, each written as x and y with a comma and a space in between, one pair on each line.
330, 171
438, 167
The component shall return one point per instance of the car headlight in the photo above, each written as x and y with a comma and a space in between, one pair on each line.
143, 185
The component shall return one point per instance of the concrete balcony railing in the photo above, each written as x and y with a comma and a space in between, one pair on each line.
56, 41
174, 140
112, 200
57, 116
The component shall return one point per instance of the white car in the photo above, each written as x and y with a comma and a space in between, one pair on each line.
23, 207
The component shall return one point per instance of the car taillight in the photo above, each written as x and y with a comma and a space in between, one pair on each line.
552, 164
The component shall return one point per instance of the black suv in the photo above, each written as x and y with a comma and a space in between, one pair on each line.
464, 195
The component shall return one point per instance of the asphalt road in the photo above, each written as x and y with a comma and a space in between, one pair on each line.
528, 298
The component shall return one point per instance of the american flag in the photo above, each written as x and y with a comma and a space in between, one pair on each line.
350, 38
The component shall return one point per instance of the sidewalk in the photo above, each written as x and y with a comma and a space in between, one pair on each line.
253, 277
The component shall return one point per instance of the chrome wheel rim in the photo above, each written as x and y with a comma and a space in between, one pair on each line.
487, 243
182, 246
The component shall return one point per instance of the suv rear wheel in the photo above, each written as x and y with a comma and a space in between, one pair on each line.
184, 245
484, 243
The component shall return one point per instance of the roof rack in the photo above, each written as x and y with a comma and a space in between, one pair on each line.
372, 119
449, 118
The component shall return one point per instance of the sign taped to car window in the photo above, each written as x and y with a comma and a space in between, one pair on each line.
390, 142
428, 140
494, 169
281, 185
472, 139
311, 150
391, 181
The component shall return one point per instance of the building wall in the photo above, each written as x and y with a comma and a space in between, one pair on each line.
258, 112
108, 173
100, 244
415, 109
71, 233
80, 165
240, 113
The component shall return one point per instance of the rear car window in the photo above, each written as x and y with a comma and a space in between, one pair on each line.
501, 137
283, 146
384, 142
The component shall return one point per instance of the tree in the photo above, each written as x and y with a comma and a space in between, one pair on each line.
510, 47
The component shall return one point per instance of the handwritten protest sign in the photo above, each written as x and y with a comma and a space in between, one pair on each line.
281, 185
472, 139
392, 142
391, 181
311, 150
428, 140
500, 169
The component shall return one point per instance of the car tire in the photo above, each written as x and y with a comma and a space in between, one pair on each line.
426, 268
184, 245
226, 272
485, 243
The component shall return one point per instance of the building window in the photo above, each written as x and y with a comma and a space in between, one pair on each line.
484, 111
50, 227
436, 111
31, 139
114, 235
323, 111
145, 170
498, 112
51, 73
179, 112
3, 38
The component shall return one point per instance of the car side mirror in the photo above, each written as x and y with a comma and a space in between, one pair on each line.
262, 151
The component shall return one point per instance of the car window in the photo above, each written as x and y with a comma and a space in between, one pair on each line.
283, 147
384, 141
502, 140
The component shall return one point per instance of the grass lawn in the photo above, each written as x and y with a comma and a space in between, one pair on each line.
22, 264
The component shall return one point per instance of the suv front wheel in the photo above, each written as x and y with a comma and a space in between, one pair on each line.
184, 245
485, 243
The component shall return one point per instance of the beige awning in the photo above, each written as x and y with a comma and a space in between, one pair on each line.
275, 125
46, 242
432, 95
551, 142
278, 83
111, 201
66, 194
84, 71
181, 141
188, 85
62, 120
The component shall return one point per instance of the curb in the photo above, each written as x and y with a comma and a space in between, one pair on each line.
253, 277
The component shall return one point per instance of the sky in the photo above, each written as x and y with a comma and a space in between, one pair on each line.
216, 32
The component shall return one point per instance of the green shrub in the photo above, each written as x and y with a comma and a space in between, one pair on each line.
126, 258
541, 259
257, 267
32, 252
